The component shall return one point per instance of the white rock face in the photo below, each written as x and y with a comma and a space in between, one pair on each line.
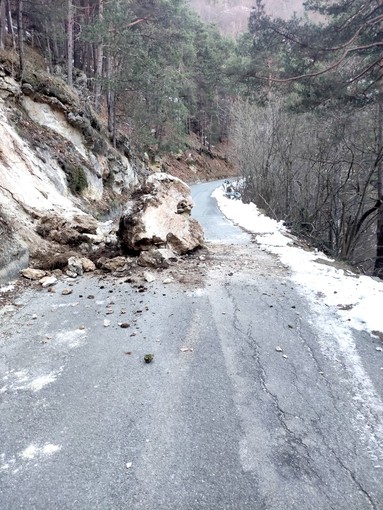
32, 182
55, 120
23, 174
43, 114
160, 217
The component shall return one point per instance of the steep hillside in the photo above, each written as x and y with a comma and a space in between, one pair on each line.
56, 160
60, 174
231, 16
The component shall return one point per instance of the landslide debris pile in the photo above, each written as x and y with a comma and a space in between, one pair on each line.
155, 229
60, 176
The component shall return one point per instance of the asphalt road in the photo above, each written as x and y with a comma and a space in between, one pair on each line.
230, 424
217, 228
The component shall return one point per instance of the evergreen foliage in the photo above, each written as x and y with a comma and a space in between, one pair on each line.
155, 68
338, 59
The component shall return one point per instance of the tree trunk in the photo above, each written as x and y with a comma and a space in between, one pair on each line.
20, 31
10, 23
111, 97
55, 50
378, 268
99, 62
112, 122
70, 43
2, 23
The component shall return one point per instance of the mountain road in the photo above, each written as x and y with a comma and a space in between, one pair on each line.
256, 398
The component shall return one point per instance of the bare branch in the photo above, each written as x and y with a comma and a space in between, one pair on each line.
333, 66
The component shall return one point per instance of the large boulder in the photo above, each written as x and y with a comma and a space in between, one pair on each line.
159, 216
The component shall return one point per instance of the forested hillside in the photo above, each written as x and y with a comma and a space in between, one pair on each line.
300, 101
151, 64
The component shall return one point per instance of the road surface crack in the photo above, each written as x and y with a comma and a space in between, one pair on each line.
351, 474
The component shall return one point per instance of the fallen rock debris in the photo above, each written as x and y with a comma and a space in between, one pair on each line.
75, 266
156, 231
33, 274
48, 281
148, 358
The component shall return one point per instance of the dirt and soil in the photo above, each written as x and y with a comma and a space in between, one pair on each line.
200, 163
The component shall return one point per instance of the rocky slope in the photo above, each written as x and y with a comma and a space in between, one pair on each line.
55, 157
60, 177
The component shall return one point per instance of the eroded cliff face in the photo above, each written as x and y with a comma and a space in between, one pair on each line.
55, 159
60, 176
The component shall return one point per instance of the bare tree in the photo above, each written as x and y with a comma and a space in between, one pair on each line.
20, 35
317, 173
2, 23
99, 59
70, 43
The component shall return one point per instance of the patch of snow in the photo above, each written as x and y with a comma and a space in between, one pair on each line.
197, 293
312, 270
50, 449
30, 452
71, 339
33, 450
21, 376
40, 382
22, 380
7, 288
333, 294
64, 305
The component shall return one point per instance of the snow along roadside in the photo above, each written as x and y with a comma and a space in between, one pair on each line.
329, 290
337, 288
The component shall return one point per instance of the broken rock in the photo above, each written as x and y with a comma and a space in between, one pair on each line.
48, 281
65, 231
33, 274
115, 264
87, 265
75, 265
156, 258
159, 216
149, 277
85, 224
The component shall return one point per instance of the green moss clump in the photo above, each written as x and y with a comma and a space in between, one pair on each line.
76, 177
